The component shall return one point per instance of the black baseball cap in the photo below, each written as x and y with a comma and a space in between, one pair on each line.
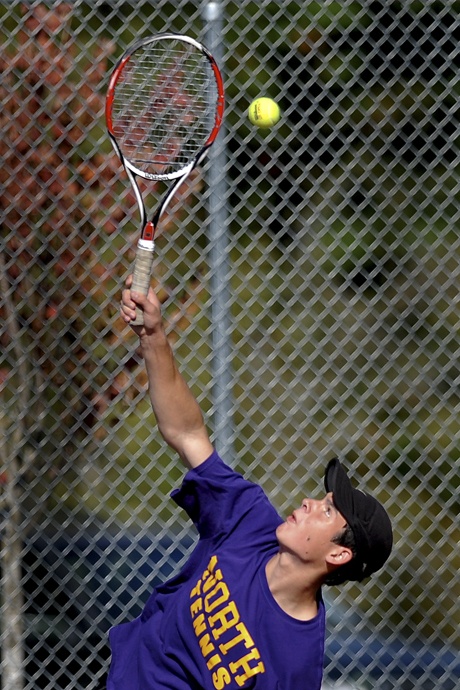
367, 519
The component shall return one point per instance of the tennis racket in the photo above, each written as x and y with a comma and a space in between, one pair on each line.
164, 108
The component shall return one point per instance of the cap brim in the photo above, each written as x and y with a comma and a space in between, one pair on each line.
336, 481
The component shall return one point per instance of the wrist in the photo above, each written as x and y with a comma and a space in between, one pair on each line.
153, 340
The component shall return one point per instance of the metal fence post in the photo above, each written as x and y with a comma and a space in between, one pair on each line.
219, 258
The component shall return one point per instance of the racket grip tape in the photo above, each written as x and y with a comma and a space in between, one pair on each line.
142, 274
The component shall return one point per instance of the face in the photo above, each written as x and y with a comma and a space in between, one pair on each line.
309, 531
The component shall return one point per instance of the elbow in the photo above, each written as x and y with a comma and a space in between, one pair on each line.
193, 447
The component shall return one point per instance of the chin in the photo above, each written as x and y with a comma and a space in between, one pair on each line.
280, 529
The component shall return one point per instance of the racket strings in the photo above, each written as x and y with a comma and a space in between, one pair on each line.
164, 107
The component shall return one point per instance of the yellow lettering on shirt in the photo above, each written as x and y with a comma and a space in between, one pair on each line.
243, 637
196, 591
221, 678
199, 624
196, 606
248, 669
215, 616
211, 580
206, 645
213, 661
216, 597
224, 619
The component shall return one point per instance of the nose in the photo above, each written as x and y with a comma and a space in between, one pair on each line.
310, 504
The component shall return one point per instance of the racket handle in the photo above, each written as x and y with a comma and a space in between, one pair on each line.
142, 274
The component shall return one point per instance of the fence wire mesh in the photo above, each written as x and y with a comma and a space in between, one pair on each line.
309, 275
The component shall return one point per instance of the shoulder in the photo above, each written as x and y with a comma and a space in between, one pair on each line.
213, 470
216, 496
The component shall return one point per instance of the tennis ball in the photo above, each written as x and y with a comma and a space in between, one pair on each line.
264, 112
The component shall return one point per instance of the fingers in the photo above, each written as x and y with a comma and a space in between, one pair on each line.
147, 303
129, 301
127, 306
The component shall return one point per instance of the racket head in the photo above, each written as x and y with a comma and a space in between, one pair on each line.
164, 106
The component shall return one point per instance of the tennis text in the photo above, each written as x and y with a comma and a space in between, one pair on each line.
219, 630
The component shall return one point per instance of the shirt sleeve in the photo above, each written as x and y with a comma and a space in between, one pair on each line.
217, 499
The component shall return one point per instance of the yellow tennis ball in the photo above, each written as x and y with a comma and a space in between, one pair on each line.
264, 112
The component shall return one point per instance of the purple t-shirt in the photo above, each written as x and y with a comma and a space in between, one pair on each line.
216, 626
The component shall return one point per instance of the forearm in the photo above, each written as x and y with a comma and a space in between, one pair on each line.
178, 414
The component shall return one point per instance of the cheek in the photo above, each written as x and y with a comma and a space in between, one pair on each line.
316, 540
306, 542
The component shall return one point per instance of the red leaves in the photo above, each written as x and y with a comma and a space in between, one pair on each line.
62, 197
45, 117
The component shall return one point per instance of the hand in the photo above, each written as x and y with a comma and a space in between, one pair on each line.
149, 305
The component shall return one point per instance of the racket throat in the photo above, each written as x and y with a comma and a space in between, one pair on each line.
148, 231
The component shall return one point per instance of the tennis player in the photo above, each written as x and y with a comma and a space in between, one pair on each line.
246, 610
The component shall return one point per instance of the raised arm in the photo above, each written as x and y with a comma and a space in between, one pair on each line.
178, 414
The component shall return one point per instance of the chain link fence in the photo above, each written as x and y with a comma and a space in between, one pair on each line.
309, 275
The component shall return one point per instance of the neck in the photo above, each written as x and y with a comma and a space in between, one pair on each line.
293, 590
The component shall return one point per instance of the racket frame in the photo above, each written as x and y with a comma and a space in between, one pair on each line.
145, 247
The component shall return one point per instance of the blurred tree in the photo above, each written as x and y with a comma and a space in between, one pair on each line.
61, 203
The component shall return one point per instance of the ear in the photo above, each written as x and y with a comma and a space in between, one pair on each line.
339, 555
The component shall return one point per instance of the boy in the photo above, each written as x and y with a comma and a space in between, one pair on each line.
246, 610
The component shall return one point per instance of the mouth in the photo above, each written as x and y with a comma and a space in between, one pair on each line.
291, 519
